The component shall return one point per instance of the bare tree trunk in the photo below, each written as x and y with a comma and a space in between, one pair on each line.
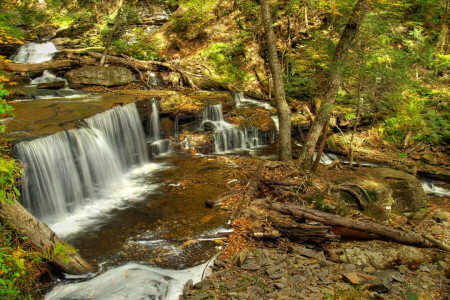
43, 239
358, 113
395, 235
333, 81
306, 16
284, 112
444, 36
49, 65
322, 145
111, 34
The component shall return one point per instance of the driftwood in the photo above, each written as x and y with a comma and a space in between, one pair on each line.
395, 235
335, 163
437, 243
346, 188
269, 181
296, 231
143, 65
43, 239
51, 65
252, 187
223, 197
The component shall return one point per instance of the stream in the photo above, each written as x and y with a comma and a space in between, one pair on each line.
115, 191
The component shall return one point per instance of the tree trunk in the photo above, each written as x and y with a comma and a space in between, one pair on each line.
358, 113
111, 34
284, 112
444, 36
395, 235
322, 145
333, 81
51, 65
43, 239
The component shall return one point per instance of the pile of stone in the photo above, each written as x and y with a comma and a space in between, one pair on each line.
302, 273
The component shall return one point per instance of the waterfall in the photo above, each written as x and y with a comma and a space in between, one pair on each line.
227, 136
47, 76
158, 145
153, 80
71, 168
238, 97
34, 53
242, 101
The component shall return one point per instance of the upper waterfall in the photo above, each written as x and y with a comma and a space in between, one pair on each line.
34, 53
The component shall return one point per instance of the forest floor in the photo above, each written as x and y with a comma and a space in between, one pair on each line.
289, 266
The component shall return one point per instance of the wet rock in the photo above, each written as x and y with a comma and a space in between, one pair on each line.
204, 285
239, 258
320, 256
352, 278
220, 263
441, 216
251, 266
108, 76
302, 251
51, 85
380, 285
187, 287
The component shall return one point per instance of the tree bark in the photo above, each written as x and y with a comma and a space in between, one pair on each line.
284, 112
43, 239
398, 236
358, 113
27, 68
333, 81
444, 36
252, 187
322, 145
111, 34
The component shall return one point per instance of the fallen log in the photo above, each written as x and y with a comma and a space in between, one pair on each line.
223, 197
143, 65
43, 239
438, 244
252, 187
296, 231
282, 183
27, 68
395, 235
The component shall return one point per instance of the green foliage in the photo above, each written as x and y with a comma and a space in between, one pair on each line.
18, 266
194, 18
226, 60
141, 49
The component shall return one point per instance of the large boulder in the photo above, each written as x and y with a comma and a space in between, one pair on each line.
407, 190
109, 76
385, 190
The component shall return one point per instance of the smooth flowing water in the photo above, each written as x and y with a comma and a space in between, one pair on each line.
33, 53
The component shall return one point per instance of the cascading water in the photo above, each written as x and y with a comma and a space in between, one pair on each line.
153, 79
47, 76
34, 53
158, 145
71, 168
228, 136
242, 101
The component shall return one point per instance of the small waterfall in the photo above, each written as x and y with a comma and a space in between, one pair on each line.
242, 101
238, 97
153, 80
34, 53
71, 168
158, 145
154, 124
47, 76
227, 136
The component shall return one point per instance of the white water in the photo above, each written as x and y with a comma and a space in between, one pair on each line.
242, 101
431, 189
157, 144
153, 80
47, 76
34, 53
130, 281
72, 170
227, 136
